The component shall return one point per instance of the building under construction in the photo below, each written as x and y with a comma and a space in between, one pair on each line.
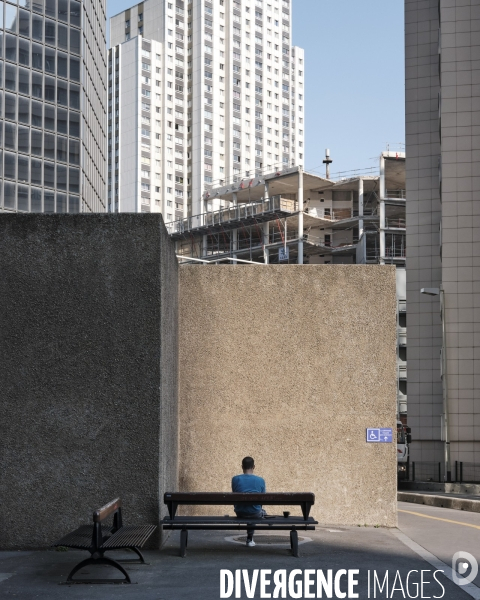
295, 217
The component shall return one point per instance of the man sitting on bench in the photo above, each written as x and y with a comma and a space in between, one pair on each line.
249, 483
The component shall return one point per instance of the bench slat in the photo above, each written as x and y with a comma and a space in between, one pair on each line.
303, 526
80, 538
277, 520
130, 535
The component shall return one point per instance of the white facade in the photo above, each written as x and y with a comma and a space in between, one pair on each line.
228, 88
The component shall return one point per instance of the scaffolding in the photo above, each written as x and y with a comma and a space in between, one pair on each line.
296, 216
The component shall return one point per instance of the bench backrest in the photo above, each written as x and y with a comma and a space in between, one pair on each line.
212, 498
303, 499
102, 513
115, 507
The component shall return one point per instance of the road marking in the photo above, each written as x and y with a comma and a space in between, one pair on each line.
4, 576
410, 512
470, 588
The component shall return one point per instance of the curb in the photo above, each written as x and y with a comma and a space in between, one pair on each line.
440, 501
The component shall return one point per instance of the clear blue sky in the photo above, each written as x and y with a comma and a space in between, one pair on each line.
354, 55
354, 75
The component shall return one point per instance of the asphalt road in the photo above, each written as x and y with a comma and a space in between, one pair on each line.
441, 531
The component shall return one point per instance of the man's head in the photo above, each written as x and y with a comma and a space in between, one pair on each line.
248, 464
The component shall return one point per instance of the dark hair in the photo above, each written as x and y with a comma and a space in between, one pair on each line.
248, 463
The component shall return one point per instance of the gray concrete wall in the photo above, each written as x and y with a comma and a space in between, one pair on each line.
423, 217
88, 371
291, 364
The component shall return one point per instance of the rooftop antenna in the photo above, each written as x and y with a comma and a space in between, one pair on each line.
327, 162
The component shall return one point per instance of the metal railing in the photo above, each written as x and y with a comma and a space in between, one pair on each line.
395, 147
251, 209
426, 471
317, 239
396, 223
467, 472
250, 174
233, 213
395, 252
396, 194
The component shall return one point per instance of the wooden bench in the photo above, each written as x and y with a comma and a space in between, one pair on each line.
103, 539
280, 523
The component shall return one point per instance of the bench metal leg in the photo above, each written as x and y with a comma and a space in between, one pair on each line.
294, 542
183, 542
101, 560
133, 561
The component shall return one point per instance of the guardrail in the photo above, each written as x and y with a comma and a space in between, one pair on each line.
467, 472
395, 223
396, 194
233, 213
425, 471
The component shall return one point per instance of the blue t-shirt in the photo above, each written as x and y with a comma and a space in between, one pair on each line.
245, 484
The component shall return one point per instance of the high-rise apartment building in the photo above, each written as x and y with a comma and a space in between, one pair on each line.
53, 104
443, 228
201, 93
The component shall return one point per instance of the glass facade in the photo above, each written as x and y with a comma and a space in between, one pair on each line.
49, 109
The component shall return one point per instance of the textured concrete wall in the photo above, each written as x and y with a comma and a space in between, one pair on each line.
290, 364
88, 375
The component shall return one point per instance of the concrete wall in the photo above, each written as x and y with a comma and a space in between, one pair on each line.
290, 364
88, 375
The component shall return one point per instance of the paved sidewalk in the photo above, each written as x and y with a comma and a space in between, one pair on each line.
37, 575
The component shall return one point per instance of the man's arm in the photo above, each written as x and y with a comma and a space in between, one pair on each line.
264, 487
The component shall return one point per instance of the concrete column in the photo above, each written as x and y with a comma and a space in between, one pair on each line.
234, 231
267, 193
360, 206
300, 215
382, 177
361, 247
382, 209
382, 231
266, 251
204, 247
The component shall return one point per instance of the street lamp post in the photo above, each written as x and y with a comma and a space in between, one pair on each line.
446, 433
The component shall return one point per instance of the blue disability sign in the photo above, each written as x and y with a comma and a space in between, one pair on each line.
380, 435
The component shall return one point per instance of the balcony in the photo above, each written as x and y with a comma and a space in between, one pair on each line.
402, 369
